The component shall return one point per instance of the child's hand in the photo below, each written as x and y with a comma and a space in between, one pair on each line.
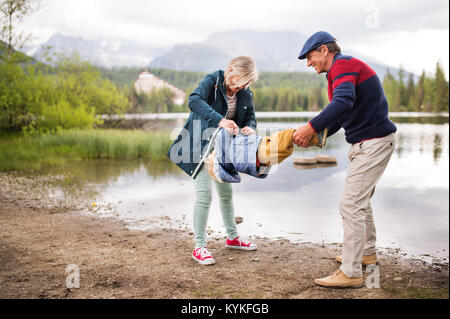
248, 131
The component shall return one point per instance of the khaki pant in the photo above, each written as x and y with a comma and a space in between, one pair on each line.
368, 160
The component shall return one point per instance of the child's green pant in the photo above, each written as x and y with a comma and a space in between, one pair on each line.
203, 192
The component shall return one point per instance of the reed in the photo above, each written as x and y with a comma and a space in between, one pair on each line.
35, 152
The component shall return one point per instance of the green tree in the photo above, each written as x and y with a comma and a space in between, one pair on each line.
440, 101
410, 92
419, 93
39, 98
400, 99
390, 90
429, 85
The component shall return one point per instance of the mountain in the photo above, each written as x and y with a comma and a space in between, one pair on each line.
100, 52
272, 51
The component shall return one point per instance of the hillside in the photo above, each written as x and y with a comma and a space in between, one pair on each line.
188, 80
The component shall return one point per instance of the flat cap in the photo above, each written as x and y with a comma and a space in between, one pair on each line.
315, 41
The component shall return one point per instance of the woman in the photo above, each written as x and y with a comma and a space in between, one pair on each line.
222, 99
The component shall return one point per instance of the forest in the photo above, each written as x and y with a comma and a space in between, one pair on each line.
293, 91
66, 92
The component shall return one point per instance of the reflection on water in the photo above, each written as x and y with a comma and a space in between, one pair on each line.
410, 204
437, 147
103, 172
312, 166
421, 138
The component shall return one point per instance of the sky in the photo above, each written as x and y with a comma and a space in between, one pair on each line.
413, 34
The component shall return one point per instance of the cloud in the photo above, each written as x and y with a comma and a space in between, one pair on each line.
367, 25
180, 21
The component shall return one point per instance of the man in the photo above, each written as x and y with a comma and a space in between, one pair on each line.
357, 104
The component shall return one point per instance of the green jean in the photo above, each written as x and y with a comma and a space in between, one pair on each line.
202, 184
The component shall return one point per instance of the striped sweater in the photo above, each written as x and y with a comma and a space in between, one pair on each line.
357, 102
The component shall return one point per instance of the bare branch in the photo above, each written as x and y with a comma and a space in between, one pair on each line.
12, 12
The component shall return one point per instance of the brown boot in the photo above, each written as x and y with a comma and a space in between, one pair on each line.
366, 260
339, 280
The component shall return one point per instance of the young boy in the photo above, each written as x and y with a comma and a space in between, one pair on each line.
251, 154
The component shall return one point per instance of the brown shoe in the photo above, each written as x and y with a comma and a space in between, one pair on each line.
339, 280
366, 260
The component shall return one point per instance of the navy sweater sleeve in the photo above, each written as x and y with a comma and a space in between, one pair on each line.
333, 128
197, 101
344, 98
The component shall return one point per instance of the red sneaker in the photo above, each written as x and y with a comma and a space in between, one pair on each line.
240, 243
203, 256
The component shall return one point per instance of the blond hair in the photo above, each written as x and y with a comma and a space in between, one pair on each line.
244, 67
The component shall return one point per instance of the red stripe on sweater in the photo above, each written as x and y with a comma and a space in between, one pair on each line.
344, 66
366, 73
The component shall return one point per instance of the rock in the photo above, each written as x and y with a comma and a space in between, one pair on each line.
238, 220
305, 160
326, 159
255, 259
397, 279
231, 259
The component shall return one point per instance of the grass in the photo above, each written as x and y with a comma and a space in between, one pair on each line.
215, 292
419, 292
19, 152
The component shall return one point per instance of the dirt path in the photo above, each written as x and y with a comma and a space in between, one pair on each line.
39, 239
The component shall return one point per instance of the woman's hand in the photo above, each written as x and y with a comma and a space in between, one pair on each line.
230, 126
248, 131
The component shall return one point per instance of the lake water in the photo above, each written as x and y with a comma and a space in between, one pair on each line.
411, 202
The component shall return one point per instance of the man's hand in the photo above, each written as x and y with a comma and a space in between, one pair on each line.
248, 131
230, 126
302, 135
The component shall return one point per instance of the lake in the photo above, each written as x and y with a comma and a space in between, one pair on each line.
411, 202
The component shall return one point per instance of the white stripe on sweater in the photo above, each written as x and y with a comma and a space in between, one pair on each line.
231, 106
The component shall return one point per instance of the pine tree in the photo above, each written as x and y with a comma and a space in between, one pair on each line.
419, 93
410, 92
440, 102
400, 98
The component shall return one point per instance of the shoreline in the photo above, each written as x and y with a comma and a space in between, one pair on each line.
42, 235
